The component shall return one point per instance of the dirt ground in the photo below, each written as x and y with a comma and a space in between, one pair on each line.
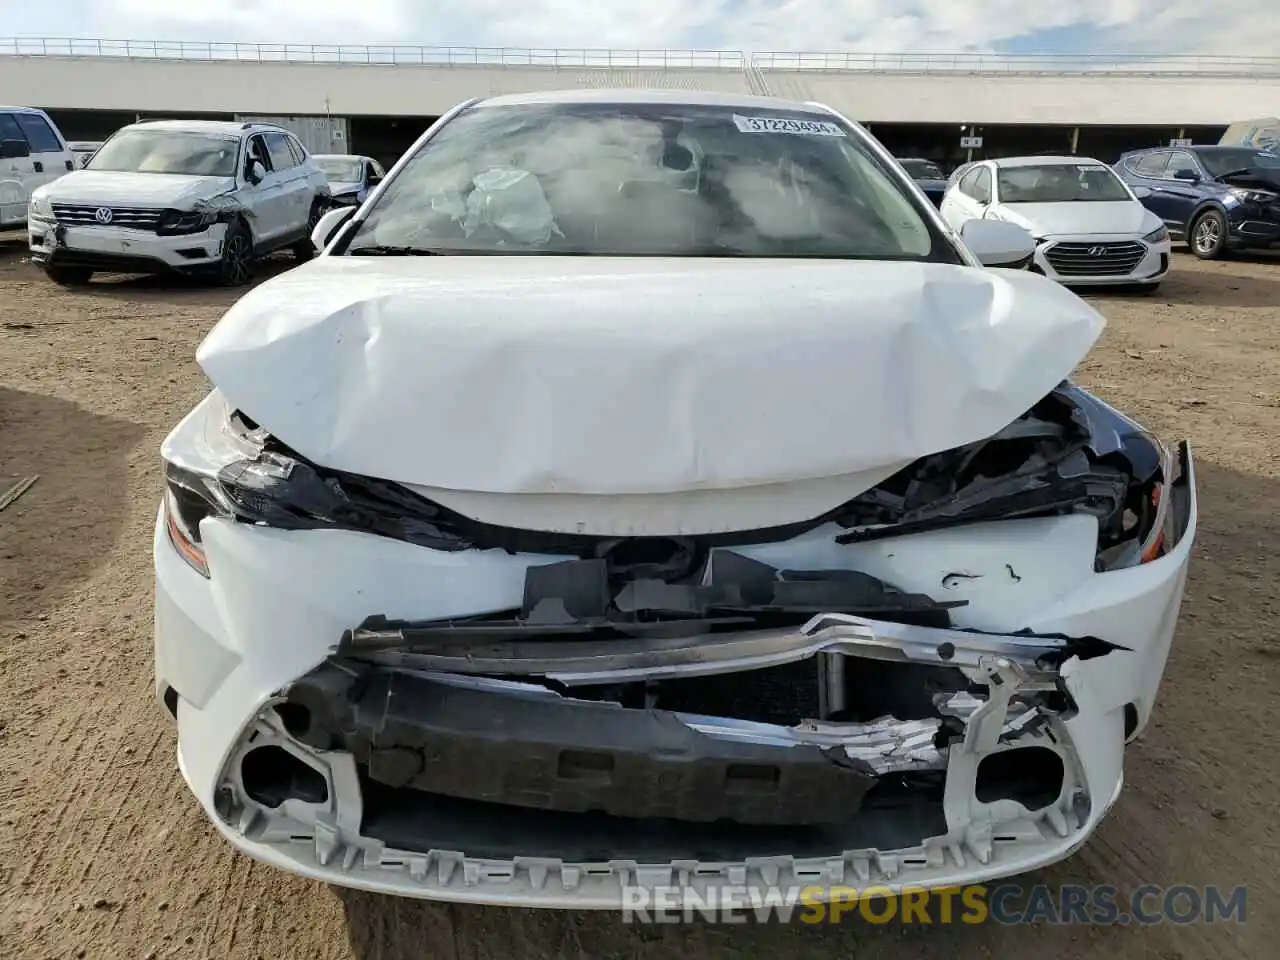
104, 855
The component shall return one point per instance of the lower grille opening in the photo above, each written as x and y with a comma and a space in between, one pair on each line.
898, 812
1032, 776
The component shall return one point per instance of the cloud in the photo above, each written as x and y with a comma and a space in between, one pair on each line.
1246, 27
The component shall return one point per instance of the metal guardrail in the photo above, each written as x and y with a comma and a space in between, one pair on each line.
368, 54
410, 54
1030, 63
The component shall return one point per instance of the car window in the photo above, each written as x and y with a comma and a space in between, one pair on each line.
1224, 161
258, 151
1180, 162
968, 182
39, 134
9, 129
652, 180
1150, 165
1060, 183
340, 169
922, 169
982, 186
281, 156
167, 151
299, 153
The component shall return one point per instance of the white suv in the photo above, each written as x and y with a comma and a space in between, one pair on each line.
32, 152
187, 196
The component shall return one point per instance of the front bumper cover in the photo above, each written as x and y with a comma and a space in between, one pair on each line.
235, 700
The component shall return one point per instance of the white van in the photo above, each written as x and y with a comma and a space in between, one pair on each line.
32, 153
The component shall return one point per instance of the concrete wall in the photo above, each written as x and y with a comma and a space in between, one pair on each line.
352, 90
300, 89
1085, 100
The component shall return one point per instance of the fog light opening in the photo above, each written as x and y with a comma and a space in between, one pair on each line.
271, 775
1032, 776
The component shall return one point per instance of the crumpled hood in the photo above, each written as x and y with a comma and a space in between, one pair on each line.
136, 189
541, 374
340, 188
1084, 217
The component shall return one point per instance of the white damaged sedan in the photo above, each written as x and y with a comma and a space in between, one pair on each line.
653, 490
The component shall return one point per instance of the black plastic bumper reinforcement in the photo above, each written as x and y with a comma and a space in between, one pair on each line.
537, 750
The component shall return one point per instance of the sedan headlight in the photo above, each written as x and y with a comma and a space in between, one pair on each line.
40, 207
1159, 235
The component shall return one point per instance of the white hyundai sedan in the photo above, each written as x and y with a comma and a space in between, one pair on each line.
650, 491
1090, 228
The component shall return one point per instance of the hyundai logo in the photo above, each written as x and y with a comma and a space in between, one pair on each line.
102, 215
1093, 251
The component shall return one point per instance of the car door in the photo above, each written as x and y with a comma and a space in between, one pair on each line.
1180, 192
50, 157
295, 184
267, 199
17, 174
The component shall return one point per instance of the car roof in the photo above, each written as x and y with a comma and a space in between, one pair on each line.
1048, 161
698, 98
20, 109
229, 128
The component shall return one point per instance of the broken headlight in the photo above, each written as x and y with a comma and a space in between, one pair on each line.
175, 223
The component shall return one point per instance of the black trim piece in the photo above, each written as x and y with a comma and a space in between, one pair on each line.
538, 750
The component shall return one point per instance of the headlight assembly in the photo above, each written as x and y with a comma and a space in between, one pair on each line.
1159, 235
40, 207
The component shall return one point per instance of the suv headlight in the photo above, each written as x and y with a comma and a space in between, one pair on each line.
1252, 196
177, 222
1159, 235
39, 206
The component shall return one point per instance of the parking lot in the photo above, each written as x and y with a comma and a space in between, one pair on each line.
103, 852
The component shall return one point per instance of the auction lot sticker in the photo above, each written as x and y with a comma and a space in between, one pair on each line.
818, 128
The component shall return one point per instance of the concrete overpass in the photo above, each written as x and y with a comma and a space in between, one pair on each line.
417, 81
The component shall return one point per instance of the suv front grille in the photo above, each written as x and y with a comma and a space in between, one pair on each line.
1095, 259
128, 218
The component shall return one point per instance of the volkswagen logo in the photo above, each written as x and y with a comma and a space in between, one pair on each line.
102, 215
1093, 251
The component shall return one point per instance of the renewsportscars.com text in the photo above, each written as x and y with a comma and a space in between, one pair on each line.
977, 904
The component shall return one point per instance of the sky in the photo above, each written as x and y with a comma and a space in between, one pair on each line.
1243, 27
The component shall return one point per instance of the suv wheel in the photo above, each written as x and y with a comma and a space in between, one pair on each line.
1208, 235
68, 276
304, 249
235, 269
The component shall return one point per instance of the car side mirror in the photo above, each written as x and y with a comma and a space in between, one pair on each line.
256, 172
1188, 175
998, 244
14, 149
329, 224
1142, 192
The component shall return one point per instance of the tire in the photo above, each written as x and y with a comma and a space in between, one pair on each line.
304, 250
235, 269
68, 276
1207, 236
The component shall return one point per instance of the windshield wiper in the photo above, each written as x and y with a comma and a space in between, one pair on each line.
384, 250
